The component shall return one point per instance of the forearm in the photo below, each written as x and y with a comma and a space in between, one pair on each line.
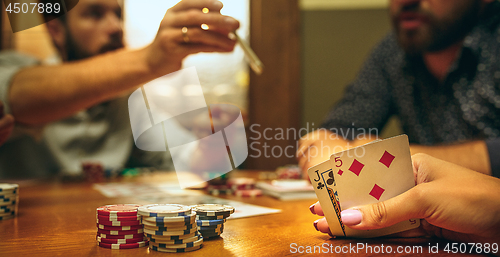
47, 93
472, 155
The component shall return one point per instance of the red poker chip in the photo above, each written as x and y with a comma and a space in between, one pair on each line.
123, 246
120, 232
248, 193
123, 228
118, 223
118, 210
139, 235
119, 241
118, 218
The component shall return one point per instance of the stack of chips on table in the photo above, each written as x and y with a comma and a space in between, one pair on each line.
9, 198
243, 187
170, 228
119, 227
210, 218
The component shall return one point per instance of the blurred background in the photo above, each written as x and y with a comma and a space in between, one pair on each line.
312, 49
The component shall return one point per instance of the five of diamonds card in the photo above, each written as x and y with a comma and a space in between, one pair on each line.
364, 175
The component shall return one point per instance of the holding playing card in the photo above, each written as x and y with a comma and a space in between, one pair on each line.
364, 175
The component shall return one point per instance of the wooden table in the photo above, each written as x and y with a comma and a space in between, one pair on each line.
58, 219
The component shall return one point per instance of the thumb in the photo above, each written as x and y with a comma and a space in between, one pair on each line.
384, 214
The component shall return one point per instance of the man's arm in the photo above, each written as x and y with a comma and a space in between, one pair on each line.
43, 94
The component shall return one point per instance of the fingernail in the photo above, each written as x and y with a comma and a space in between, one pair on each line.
311, 208
351, 217
316, 225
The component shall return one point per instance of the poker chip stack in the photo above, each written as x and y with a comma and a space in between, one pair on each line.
119, 227
170, 228
210, 218
9, 198
243, 187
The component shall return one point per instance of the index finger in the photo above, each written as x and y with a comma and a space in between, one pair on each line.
212, 5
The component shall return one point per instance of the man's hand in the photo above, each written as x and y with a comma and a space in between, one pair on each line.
6, 125
172, 45
454, 202
317, 147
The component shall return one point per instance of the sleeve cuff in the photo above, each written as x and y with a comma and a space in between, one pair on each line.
493, 146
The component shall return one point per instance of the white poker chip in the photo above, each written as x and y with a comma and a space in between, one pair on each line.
213, 209
164, 210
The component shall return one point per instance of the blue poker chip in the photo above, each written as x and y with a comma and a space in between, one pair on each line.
205, 223
8, 196
219, 227
176, 241
177, 246
167, 238
170, 233
157, 228
182, 218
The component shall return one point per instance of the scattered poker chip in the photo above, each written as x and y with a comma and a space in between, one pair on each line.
211, 227
118, 210
248, 193
119, 223
213, 209
186, 219
164, 210
120, 241
169, 228
178, 241
118, 228
181, 250
176, 246
139, 235
241, 183
218, 217
123, 246
8, 188
171, 233
118, 218
120, 232
156, 237
204, 223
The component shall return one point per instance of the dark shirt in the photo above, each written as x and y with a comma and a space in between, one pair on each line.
465, 106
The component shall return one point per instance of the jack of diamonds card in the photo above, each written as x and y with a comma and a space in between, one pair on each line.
371, 173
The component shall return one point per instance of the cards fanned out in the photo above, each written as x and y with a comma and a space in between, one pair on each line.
364, 175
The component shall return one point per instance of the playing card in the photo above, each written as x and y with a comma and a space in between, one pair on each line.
371, 173
321, 177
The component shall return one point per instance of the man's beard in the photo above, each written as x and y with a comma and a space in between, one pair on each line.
74, 52
436, 35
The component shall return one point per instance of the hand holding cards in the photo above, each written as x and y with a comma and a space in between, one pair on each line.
364, 175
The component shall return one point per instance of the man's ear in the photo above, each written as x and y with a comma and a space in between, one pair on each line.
57, 32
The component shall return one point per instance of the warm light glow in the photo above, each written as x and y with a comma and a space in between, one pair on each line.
204, 26
216, 71
205, 10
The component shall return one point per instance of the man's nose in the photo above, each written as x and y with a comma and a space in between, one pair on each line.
114, 24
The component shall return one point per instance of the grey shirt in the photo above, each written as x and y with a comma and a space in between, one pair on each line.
100, 134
